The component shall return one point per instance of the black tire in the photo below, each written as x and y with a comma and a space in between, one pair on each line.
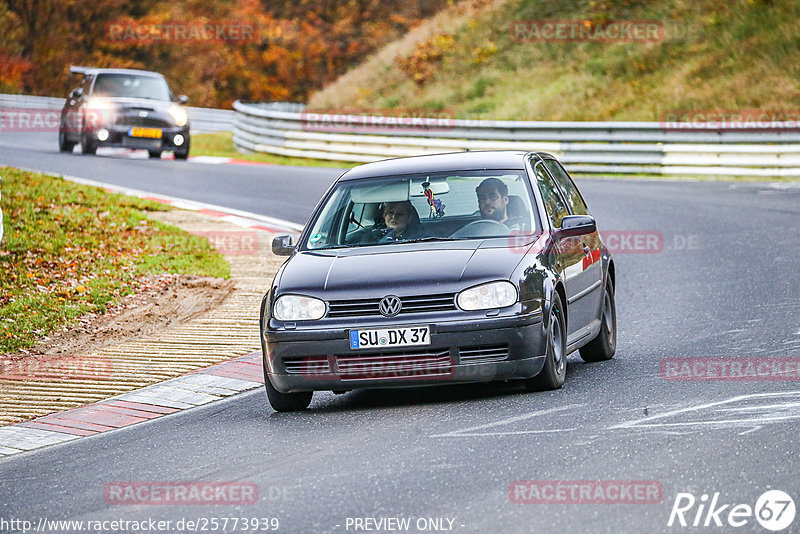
87, 146
554, 372
154, 154
287, 402
604, 345
183, 153
63, 144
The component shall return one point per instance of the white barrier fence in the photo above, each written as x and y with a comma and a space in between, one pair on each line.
583, 147
200, 119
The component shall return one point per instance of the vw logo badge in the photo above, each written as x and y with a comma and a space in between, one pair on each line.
143, 114
390, 306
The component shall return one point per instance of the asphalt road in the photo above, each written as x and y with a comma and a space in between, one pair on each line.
725, 284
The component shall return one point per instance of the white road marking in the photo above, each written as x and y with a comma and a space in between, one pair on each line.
455, 435
179, 202
465, 432
721, 415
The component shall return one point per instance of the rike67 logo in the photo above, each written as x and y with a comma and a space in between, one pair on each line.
774, 510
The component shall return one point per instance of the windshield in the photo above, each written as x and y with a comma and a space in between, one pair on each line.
425, 207
131, 86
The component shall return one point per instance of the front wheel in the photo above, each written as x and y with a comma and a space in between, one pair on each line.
183, 153
554, 372
63, 144
87, 146
604, 346
287, 402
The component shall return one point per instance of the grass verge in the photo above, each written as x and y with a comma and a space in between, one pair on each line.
221, 144
70, 249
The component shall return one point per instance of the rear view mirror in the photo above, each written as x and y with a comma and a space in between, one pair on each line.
417, 189
574, 225
282, 245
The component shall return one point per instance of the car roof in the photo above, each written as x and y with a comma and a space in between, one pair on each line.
454, 161
91, 71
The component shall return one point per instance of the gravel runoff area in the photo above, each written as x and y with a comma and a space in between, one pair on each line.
184, 324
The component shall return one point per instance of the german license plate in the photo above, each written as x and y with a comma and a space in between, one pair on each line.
390, 337
150, 133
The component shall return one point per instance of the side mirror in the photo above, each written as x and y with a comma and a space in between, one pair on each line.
183, 99
574, 225
76, 93
282, 245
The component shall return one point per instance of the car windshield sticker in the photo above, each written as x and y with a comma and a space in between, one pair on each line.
314, 238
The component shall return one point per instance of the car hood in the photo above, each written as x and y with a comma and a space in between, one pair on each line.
140, 103
432, 268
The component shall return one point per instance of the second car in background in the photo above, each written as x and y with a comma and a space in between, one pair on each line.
124, 108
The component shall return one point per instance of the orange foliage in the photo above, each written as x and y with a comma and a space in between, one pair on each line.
298, 45
422, 64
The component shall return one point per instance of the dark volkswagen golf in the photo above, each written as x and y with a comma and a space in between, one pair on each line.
451, 268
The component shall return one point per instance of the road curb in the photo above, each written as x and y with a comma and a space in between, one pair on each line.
241, 218
197, 388
194, 388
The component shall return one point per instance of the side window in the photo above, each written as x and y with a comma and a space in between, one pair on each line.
573, 196
553, 202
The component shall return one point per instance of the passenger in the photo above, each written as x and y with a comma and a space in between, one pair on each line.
493, 203
402, 220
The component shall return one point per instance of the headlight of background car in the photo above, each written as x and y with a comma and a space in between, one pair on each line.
487, 296
179, 115
98, 113
298, 308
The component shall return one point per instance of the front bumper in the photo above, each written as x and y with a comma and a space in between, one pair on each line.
118, 137
459, 352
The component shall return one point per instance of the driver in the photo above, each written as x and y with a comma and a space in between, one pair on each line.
493, 203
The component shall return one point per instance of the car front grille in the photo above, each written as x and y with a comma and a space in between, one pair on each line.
495, 353
413, 304
408, 364
133, 119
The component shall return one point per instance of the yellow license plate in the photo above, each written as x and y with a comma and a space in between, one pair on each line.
152, 133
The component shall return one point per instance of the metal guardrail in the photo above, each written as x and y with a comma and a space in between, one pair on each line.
583, 147
201, 119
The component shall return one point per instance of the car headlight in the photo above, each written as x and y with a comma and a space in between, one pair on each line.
179, 115
99, 103
298, 308
98, 112
487, 296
